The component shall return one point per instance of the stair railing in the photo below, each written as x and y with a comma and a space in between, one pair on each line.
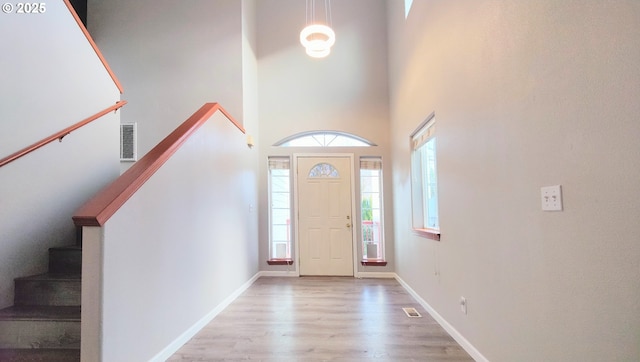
60, 135
108, 201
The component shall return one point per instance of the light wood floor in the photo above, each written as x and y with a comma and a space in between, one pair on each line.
322, 319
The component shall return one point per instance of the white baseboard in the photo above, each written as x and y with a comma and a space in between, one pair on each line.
387, 275
174, 346
278, 273
473, 352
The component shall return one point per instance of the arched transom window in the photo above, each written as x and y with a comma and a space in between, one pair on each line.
324, 139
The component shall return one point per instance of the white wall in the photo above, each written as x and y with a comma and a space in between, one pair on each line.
179, 246
526, 94
188, 239
51, 79
250, 109
171, 58
250, 69
346, 91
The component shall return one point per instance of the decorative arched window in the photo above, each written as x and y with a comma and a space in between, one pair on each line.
324, 139
323, 170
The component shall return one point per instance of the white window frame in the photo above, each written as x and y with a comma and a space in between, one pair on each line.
424, 184
373, 163
278, 162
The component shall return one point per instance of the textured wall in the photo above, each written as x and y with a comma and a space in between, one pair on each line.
188, 238
181, 245
171, 57
526, 94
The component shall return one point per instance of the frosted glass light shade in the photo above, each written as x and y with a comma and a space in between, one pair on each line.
317, 49
318, 40
318, 53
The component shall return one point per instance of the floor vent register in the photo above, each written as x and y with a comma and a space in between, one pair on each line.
411, 312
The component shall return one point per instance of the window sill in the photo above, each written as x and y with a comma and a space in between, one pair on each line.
373, 262
286, 261
432, 234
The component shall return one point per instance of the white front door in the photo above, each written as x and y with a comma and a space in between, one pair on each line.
324, 215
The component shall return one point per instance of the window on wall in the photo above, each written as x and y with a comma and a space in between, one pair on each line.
424, 180
279, 210
372, 235
407, 7
324, 139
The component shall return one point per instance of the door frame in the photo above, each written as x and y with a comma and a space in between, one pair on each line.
354, 245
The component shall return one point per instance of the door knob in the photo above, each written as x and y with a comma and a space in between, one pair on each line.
348, 225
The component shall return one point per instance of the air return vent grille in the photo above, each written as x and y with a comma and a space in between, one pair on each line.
128, 144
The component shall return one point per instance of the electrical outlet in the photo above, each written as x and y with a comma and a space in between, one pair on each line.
463, 305
551, 197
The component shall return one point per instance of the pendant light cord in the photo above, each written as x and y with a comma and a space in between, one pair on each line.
311, 12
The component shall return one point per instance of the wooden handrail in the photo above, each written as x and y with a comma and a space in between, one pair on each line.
93, 45
104, 204
60, 135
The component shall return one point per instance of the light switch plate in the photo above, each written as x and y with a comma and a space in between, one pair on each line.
551, 198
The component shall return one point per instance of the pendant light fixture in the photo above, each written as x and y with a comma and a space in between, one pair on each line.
318, 37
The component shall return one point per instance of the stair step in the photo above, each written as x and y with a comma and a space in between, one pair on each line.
39, 355
66, 259
40, 327
48, 289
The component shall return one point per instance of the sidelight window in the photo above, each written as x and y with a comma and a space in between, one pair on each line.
279, 208
372, 235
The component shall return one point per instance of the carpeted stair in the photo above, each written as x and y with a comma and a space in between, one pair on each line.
44, 322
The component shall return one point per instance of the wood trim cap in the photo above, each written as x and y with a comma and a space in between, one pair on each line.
102, 206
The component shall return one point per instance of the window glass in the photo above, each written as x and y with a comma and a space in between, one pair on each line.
424, 176
371, 208
323, 170
407, 7
279, 208
324, 139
